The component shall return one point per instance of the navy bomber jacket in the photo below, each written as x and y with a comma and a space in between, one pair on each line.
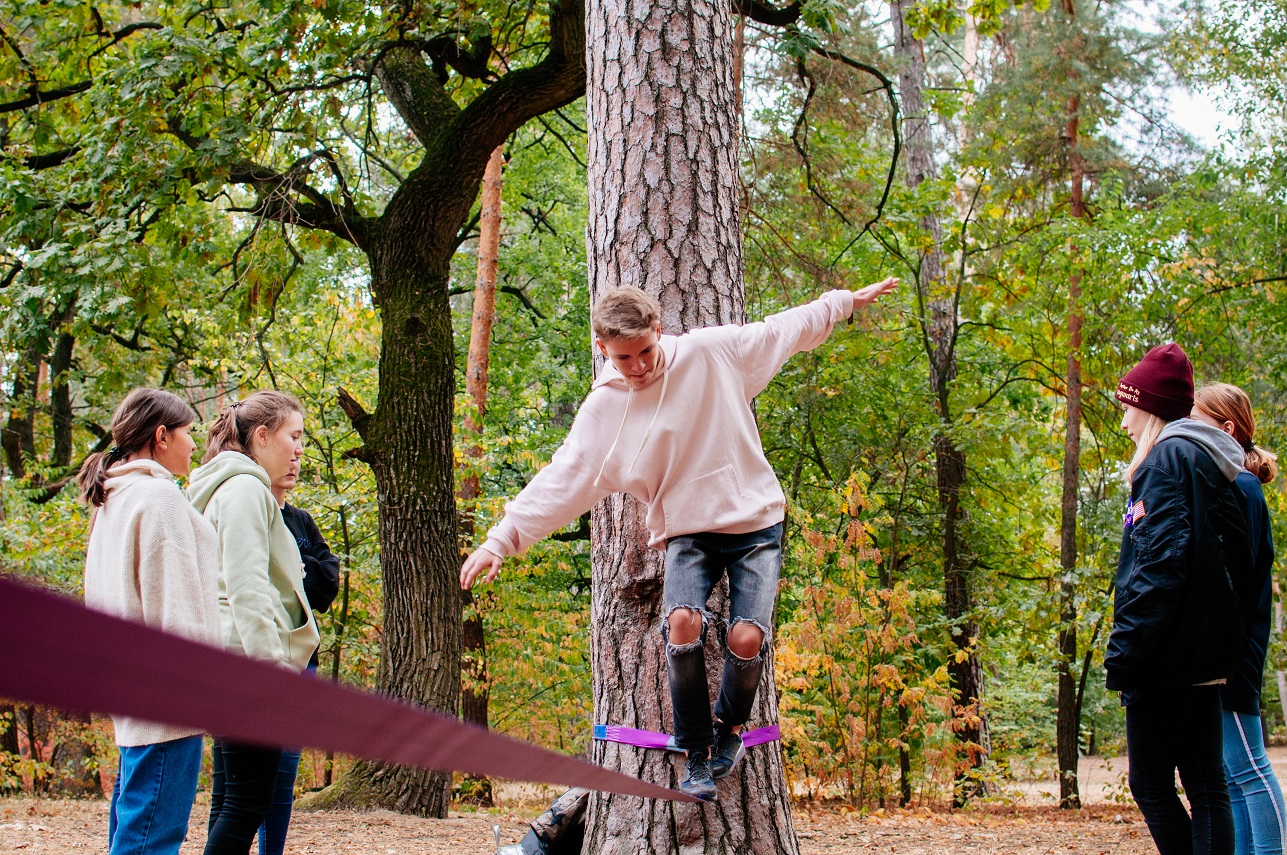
1184, 570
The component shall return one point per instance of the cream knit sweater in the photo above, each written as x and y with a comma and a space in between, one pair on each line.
152, 558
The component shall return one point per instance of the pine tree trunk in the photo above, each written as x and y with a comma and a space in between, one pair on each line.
664, 207
1069, 702
474, 694
939, 329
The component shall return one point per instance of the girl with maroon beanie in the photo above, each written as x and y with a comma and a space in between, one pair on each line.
1178, 628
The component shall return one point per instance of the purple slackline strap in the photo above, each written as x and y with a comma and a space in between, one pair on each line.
653, 739
55, 651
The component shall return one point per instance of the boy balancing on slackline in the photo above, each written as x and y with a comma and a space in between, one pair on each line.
669, 421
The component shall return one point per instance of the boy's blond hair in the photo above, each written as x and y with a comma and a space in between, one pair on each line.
624, 312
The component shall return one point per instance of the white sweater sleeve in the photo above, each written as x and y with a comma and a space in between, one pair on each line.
559, 493
766, 346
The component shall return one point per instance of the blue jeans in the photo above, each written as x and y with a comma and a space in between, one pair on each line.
1259, 815
242, 792
153, 796
694, 565
1180, 729
272, 832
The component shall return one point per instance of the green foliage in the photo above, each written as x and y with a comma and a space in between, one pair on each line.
118, 229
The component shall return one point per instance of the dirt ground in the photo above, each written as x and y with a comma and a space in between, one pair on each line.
1031, 825
31, 826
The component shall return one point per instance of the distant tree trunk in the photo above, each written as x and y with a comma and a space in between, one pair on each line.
60, 404
474, 688
1068, 717
939, 330
664, 206
19, 435
407, 440
9, 743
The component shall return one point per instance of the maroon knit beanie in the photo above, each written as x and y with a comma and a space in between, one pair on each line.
1161, 384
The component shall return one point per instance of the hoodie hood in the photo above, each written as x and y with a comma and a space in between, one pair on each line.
610, 376
208, 478
1219, 446
123, 474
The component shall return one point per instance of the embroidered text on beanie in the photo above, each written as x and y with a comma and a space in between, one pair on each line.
1161, 384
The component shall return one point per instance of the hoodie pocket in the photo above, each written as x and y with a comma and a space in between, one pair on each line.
710, 502
302, 640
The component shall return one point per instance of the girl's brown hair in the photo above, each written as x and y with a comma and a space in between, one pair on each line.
133, 430
231, 431
1227, 403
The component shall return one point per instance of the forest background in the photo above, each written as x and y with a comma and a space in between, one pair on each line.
1077, 224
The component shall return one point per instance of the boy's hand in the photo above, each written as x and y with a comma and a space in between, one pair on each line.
868, 295
479, 561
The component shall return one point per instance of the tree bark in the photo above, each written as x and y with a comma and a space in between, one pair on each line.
18, 437
1069, 702
407, 440
664, 206
938, 299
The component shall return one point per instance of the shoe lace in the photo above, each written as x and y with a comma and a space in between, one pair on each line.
698, 762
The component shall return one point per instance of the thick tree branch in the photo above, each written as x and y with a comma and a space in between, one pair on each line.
415, 91
36, 96
765, 14
509, 103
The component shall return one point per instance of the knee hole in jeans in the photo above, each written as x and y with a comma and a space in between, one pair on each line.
685, 626
747, 640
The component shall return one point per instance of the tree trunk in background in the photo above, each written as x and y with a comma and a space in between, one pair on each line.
939, 329
474, 690
664, 205
408, 444
18, 436
1068, 716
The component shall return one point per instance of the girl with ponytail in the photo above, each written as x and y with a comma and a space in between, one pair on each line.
154, 559
1259, 814
262, 602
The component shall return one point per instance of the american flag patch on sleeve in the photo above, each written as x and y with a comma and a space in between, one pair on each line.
1137, 511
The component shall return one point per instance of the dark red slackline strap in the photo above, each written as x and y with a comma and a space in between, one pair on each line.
56, 652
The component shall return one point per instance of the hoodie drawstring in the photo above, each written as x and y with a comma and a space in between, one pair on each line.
630, 396
665, 378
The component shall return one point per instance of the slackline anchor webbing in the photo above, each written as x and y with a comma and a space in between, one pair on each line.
654, 739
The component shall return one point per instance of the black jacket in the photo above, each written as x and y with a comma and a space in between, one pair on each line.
321, 567
1242, 693
1177, 617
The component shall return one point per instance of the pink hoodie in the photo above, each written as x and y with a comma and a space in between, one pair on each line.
687, 445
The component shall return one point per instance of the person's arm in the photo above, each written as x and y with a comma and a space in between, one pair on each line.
1146, 602
767, 345
173, 595
321, 566
559, 493
242, 519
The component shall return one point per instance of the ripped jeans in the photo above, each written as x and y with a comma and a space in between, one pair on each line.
694, 565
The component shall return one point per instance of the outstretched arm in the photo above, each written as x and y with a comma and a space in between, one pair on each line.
765, 347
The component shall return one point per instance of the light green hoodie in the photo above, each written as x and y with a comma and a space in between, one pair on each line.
262, 606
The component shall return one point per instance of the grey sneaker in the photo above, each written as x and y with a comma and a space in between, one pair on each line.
698, 782
728, 752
